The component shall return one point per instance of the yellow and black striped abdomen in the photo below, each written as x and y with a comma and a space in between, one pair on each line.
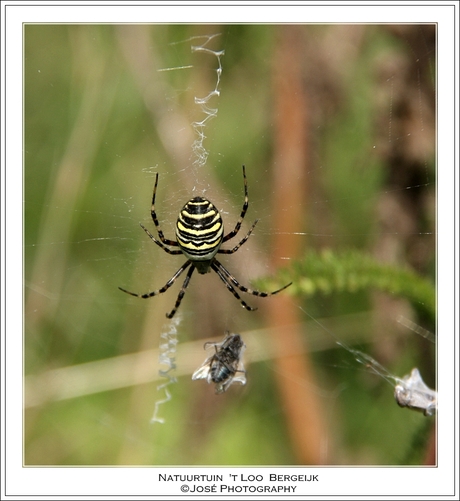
199, 230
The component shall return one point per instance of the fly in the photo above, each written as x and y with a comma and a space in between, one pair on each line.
225, 366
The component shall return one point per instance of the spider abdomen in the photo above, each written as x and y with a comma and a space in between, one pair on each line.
199, 231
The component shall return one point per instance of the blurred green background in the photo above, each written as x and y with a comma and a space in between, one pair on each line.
106, 107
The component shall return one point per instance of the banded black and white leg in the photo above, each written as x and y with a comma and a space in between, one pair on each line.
168, 284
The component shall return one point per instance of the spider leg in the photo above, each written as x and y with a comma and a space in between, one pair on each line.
229, 286
169, 251
231, 251
155, 219
216, 265
167, 285
181, 292
243, 211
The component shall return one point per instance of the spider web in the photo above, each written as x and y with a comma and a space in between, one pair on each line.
182, 86
167, 350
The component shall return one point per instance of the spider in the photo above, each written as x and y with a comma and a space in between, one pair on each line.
199, 235
222, 367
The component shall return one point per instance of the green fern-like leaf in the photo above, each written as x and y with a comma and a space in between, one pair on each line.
352, 271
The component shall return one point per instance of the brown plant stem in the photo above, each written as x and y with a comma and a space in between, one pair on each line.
301, 406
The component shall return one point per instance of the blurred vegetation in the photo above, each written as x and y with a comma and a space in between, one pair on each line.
351, 271
100, 120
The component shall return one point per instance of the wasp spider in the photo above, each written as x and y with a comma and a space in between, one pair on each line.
199, 235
